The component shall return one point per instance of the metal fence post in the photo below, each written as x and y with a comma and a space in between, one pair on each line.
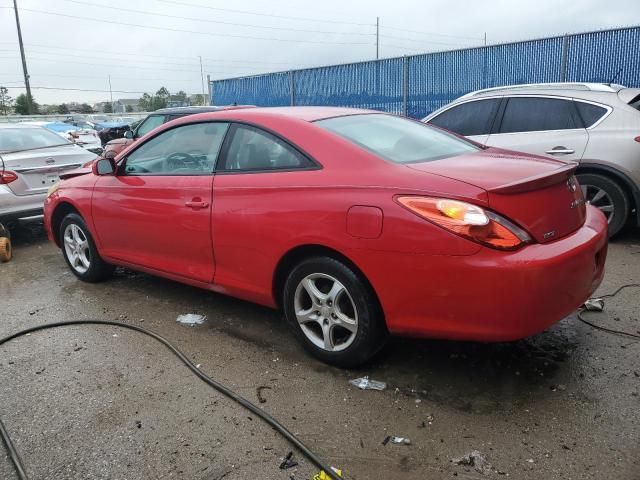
292, 87
564, 60
405, 86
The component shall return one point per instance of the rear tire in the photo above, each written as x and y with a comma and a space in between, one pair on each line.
5, 249
334, 312
607, 195
79, 251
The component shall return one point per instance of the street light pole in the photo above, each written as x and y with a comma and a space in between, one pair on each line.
202, 80
111, 94
377, 38
24, 61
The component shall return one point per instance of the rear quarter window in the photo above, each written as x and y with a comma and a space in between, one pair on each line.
590, 113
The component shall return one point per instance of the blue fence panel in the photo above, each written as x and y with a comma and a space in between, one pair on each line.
610, 56
421, 84
374, 85
269, 90
436, 79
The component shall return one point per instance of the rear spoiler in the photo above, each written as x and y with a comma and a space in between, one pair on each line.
74, 173
537, 181
627, 95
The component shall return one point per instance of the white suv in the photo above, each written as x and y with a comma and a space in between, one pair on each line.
597, 125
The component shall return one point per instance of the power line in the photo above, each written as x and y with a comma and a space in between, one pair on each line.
151, 27
81, 89
423, 41
430, 33
220, 22
261, 14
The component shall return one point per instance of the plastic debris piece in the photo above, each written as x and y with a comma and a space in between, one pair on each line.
386, 439
365, 384
322, 475
191, 319
400, 441
259, 390
288, 462
476, 460
594, 305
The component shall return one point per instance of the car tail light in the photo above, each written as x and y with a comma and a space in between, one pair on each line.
8, 177
468, 221
74, 134
637, 139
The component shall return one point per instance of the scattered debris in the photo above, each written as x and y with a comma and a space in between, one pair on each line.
365, 384
191, 319
396, 440
476, 460
259, 390
288, 462
594, 305
322, 475
138, 424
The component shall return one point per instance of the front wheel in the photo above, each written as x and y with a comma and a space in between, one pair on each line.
606, 195
79, 250
333, 312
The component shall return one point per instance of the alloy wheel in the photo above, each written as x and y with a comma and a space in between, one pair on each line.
325, 311
76, 247
600, 199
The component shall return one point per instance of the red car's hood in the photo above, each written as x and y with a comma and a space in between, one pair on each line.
535, 192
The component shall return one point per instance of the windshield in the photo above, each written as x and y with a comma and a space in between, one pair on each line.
18, 139
397, 139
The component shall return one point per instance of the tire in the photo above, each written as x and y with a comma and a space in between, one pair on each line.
346, 332
79, 251
5, 250
607, 195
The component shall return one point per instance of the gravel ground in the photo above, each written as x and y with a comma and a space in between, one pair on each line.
99, 402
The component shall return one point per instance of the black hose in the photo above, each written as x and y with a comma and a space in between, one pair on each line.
15, 457
605, 329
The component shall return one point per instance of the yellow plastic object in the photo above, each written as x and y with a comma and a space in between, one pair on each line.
5, 249
322, 475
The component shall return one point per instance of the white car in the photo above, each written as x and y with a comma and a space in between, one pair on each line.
31, 158
85, 137
594, 124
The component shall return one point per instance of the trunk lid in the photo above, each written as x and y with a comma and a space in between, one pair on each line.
40, 168
538, 193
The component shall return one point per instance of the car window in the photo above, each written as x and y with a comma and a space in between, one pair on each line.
470, 118
18, 139
184, 150
590, 113
254, 149
149, 124
397, 139
531, 114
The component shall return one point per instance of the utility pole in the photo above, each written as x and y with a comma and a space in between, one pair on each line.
485, 39
209, 89
111, 94
202, 80
377, 38
24, 61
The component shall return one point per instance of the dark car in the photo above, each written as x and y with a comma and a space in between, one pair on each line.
108, 131
155, 119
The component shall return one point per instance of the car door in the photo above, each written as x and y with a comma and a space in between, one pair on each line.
156, 211
473, 119
542, 126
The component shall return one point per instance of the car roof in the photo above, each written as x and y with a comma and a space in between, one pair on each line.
580, 89
198, 109
308, 114
18, 125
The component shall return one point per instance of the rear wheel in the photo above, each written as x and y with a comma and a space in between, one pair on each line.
606, 195
333, 312
79, 250
5, 249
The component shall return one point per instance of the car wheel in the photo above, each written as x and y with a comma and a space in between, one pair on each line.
606, 195
79, 250
5, 249
334, 312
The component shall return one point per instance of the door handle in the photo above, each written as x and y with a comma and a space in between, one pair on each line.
196, 204
560, 150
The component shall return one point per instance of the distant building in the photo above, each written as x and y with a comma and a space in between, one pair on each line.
120, 106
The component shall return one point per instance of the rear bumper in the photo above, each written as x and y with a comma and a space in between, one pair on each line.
13, 207
493, 295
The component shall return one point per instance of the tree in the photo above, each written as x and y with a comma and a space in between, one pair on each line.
22, 105
129, 108
145, 103
161, 98
5, 101
108, 108
63, 109
85, 108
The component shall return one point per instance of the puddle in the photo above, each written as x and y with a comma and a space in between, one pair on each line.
191, 319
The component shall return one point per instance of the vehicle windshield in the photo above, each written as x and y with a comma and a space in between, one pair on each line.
18, 139
397, 139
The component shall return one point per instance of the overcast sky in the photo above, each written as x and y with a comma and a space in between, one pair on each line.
79, 43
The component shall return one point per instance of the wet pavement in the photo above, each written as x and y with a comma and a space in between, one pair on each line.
107, 403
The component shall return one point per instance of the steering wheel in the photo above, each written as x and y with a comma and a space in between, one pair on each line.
181, 160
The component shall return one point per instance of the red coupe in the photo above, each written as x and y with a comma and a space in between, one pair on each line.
355, 223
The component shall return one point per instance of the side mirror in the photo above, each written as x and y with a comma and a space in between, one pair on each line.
128, 134
104, 166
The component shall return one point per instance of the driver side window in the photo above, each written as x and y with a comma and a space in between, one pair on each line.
184, 150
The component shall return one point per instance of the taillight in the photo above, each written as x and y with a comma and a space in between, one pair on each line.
637, 139
469, 221
8, 177
74, 134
